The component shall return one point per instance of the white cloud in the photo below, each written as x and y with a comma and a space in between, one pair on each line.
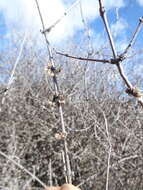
113, 4
118, 28
140, 2
23, 14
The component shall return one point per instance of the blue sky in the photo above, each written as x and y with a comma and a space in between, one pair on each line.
21, 16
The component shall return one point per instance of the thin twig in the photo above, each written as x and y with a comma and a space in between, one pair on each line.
109, 150
134, 37
87, 32
23, 168
14, 67
64, 164
108, 168
57, 92
84, 58
58, 20
124, 159
92, 177
50, 173
90, 47
128, 158
25, 186
102, 172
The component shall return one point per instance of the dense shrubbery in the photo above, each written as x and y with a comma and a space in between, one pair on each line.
29, 124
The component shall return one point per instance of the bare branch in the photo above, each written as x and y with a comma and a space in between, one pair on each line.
58, 99
104, 18
124, 77
50, 173
23, 168
128, 158
134, 37
85, 59
110, 148
58, 20
117, 59
14, 67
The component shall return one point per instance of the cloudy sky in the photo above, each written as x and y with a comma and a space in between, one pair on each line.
22, 15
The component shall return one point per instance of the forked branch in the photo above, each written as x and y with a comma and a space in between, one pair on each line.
118, 63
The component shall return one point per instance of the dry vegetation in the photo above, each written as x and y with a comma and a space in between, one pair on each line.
29, 128
104, 126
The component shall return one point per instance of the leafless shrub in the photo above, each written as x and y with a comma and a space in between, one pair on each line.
103, 126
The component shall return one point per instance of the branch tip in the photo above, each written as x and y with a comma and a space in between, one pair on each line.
141, 19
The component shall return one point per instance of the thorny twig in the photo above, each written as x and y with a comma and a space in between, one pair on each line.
58, 101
